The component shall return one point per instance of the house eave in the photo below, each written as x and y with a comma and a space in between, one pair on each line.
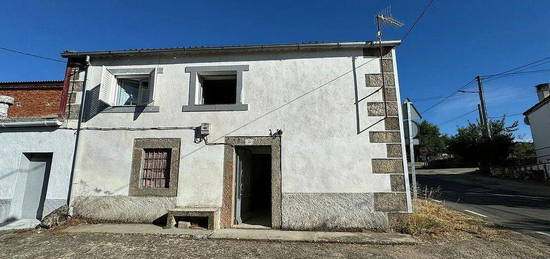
537, 106
232, 49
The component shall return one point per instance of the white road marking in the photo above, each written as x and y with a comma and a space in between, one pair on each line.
438, 201
542, 233
475, 213
506, 195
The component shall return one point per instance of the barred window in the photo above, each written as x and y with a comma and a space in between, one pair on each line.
156, 168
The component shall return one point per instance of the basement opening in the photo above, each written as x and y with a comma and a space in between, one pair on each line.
253, 187
218, 88
191, 222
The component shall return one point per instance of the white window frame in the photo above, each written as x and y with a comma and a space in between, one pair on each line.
141, 101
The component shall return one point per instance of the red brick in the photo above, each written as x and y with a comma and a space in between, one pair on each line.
33, 99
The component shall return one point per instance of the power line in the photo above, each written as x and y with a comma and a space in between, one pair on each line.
458, 117
518, 73
449, 96
506, 115
417, 20
511, 72
520, 68
32, 55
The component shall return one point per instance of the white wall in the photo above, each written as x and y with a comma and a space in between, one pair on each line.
321, 149
15, 142
540, 130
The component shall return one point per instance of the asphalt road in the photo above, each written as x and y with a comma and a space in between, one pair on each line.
521, 206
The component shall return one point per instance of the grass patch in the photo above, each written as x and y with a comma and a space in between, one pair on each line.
431, 220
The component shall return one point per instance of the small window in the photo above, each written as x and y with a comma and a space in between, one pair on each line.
218, 89
215, 88
156, 168
132, 91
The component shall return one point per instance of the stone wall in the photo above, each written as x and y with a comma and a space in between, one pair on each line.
74, 93
393, 202
538, 172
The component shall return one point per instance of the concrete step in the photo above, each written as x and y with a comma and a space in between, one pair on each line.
251, 234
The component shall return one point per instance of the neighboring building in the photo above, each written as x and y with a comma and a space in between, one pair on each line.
297, 136
538, 117
36, 154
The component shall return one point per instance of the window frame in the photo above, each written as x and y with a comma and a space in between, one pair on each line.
138, 154
109, 94
118, 89
194, 90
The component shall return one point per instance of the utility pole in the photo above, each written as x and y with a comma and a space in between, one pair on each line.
485, 118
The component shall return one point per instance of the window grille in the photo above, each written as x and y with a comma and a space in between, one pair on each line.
156, 168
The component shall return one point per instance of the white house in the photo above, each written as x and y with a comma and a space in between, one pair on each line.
36, 152
292, 136
538, 117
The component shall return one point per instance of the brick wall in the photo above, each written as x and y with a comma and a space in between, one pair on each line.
36, 99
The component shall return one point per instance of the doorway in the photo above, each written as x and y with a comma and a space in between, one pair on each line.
36, 172
253, 187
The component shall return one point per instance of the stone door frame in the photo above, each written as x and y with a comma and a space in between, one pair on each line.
228, 201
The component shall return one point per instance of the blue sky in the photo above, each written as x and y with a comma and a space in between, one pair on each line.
455, 41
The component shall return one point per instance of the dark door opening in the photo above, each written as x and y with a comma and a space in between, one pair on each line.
253, 192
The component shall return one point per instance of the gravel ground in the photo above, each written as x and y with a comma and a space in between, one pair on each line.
48, 244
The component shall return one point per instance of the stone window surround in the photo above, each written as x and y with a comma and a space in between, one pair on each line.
195, 71
137, 163
131, 108
228, 200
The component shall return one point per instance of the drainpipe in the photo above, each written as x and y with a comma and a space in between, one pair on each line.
77, 138
21, 124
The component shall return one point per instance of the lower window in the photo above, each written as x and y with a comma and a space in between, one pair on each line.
156, 168
155, 165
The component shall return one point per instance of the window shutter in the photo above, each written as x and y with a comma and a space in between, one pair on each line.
107, 86
151, 89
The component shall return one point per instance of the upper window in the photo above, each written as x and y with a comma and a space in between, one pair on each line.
127, 86
132, 91
216, 88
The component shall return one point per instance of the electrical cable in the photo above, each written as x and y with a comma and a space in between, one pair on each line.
417, 20
458, 117
32, 55
449, 96
505, 115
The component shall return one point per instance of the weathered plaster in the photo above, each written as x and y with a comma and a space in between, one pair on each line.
16, 142
331, 211
124, 209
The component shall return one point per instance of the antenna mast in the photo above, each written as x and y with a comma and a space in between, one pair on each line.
386, 17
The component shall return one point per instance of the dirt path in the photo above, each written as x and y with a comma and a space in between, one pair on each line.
45, 244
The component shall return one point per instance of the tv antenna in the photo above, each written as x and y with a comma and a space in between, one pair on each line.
384, 17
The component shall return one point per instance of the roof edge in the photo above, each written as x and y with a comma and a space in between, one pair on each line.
244, 48
31, 82
537, 106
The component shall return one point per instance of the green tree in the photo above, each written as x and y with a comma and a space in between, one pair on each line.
431, 138
470, 144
